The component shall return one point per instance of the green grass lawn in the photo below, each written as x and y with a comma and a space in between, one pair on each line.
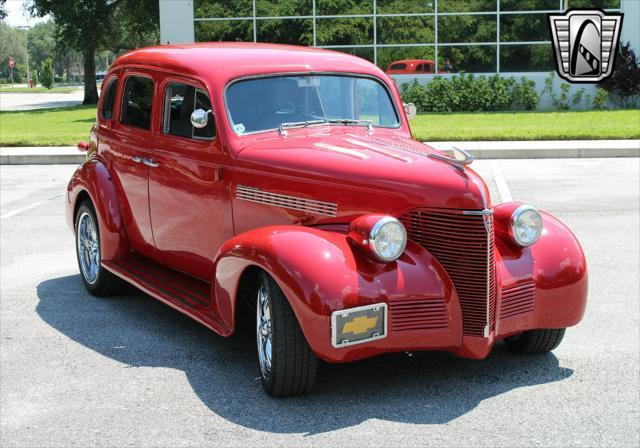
67, 126
571, 125
46, 127
9, 89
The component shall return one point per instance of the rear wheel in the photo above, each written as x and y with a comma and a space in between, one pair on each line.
287, 364
536, 341
96, 278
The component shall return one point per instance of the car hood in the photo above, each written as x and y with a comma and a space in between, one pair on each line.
360, 172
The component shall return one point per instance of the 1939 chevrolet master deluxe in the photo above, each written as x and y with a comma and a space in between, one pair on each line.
285, 180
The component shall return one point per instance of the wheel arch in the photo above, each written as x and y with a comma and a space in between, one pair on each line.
92, 181
319, 272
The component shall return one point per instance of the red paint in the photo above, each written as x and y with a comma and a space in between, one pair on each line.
412, 66
189, 215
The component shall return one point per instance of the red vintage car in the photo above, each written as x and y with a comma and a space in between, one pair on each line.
284, 181
412, 67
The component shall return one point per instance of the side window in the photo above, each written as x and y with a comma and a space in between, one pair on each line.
180, 101
419, 68
137, 100
109, 100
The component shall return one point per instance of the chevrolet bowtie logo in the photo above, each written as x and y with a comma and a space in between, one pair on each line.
360, 325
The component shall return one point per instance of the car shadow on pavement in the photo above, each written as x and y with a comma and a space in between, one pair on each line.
426, 388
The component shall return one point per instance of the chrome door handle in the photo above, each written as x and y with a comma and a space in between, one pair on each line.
150, 163
136, 159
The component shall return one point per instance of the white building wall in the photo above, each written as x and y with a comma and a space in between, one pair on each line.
176, 22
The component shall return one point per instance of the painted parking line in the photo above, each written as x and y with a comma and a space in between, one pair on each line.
28, 207
501, 183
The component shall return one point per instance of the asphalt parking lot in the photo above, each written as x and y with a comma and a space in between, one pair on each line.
28, 101
81, 371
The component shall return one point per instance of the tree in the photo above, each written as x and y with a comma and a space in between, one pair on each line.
12, 45
46, 78
3, 11
89, 25
624, 83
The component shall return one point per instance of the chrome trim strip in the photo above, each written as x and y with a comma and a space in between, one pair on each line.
334, 330
253, 194
485, 212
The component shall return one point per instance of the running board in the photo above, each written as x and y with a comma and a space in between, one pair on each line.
187, 294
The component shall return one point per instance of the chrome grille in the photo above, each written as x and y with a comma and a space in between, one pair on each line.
517, 299
429, 314
463, 242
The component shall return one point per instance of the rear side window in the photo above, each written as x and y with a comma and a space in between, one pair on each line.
136, 102
181, 100
109, 99
419, 68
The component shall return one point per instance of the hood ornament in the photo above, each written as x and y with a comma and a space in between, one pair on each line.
460, 159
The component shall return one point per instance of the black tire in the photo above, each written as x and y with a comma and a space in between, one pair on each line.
106, 284
535, 341
294, 366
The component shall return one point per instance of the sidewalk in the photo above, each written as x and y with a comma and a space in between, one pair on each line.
546, 149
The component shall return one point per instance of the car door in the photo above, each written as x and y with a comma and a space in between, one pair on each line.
188, 192
130, 139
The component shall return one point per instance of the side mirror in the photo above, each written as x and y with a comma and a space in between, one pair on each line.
200, 118
410, 110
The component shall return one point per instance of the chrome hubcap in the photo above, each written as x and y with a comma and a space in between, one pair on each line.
88, 247
263, 331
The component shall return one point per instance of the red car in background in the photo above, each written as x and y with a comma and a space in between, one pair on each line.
284, 181
412, 67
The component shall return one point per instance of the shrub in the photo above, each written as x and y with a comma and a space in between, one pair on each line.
414, 93
501, 96
525, 95
468, 93
46, 76
438, 96
624, 83
600, 100
565, 99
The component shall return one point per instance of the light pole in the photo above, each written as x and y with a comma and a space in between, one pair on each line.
26, 43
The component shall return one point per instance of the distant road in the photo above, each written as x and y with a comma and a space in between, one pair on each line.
30, 101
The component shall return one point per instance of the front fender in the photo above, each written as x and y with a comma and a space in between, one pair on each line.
555, 264
93, 179
321, 271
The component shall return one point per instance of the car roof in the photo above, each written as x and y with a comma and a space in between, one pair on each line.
223, 61
411, 61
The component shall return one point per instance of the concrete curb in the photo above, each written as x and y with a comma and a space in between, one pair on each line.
546, 149
552, 149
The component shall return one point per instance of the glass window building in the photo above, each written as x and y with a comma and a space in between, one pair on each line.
475, 36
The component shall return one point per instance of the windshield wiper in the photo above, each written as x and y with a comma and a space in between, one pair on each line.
349, 121
298, 124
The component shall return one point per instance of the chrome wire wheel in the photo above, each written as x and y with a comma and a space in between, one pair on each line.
264, 331
88, 247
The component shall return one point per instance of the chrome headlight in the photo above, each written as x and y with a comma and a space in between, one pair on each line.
526, 225
383, 237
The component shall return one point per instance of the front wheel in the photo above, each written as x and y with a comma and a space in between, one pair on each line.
96, 278
535, 341
287, 364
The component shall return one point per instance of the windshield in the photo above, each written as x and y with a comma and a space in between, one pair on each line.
262, 104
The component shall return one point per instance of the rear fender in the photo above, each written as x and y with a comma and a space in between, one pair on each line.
92, 179
322, 271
